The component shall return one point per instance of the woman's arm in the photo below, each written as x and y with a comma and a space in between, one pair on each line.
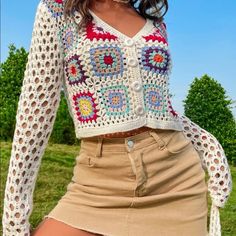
213, 160
212, 156
36, 113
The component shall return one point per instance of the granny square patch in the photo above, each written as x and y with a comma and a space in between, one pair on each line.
74, 71
85, 106
155, 59
107, 61
115, 100
55, 7
154, 99
67, 37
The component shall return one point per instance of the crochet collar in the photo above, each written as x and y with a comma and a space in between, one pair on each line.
147, 27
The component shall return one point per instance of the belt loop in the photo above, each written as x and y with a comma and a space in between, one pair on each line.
99, 147
159, 140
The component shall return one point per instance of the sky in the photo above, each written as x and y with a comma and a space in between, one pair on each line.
201, 34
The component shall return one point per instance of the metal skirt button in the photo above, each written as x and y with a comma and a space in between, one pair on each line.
130, 143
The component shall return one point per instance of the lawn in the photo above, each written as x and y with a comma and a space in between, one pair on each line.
56, 171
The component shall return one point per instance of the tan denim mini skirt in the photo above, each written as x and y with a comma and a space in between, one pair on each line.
151, 183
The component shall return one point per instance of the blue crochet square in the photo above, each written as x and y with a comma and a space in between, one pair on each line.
115, 100
154, 98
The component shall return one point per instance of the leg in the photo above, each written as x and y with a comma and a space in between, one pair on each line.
53, 227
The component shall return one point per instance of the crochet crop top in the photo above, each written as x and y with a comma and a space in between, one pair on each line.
112, 83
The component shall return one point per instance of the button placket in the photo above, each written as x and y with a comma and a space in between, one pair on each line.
139, 110
132, 62
136, 85
129, 42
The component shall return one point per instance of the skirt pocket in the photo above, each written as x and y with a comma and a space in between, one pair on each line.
178, 143
180, 148
84, 159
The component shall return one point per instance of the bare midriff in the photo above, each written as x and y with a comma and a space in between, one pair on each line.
125, 133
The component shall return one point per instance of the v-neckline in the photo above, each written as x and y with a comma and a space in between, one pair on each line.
148, 25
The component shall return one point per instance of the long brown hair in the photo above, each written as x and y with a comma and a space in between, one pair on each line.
143, 6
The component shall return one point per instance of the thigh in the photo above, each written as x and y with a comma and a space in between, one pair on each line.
51, 227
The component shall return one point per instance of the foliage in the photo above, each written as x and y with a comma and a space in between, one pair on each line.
10, 88
208, 106
12, 72
55, 174
63, 130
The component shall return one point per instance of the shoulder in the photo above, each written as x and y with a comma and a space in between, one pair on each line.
160, 25
54, 7
56, 11
161, 28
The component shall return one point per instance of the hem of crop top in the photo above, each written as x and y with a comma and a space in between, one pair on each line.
89, 132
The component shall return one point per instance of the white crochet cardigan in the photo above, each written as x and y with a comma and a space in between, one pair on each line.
53, 65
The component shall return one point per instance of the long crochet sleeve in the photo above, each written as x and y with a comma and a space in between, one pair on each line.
214, 161
36, 113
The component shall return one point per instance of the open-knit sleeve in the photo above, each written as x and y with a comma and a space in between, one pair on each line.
212, 155
36, 113
214, 161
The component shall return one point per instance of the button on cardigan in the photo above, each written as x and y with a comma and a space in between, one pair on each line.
112, 83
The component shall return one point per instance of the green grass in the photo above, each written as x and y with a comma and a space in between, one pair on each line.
56, 171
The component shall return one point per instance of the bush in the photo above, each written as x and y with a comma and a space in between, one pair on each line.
207, 105
12, 72
10, 88
63, 130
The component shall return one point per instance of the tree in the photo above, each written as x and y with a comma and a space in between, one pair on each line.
63, 129
208, 105
12, 72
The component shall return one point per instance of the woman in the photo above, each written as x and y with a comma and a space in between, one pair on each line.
141, 166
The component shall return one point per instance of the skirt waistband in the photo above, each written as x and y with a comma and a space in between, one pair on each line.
97, 145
